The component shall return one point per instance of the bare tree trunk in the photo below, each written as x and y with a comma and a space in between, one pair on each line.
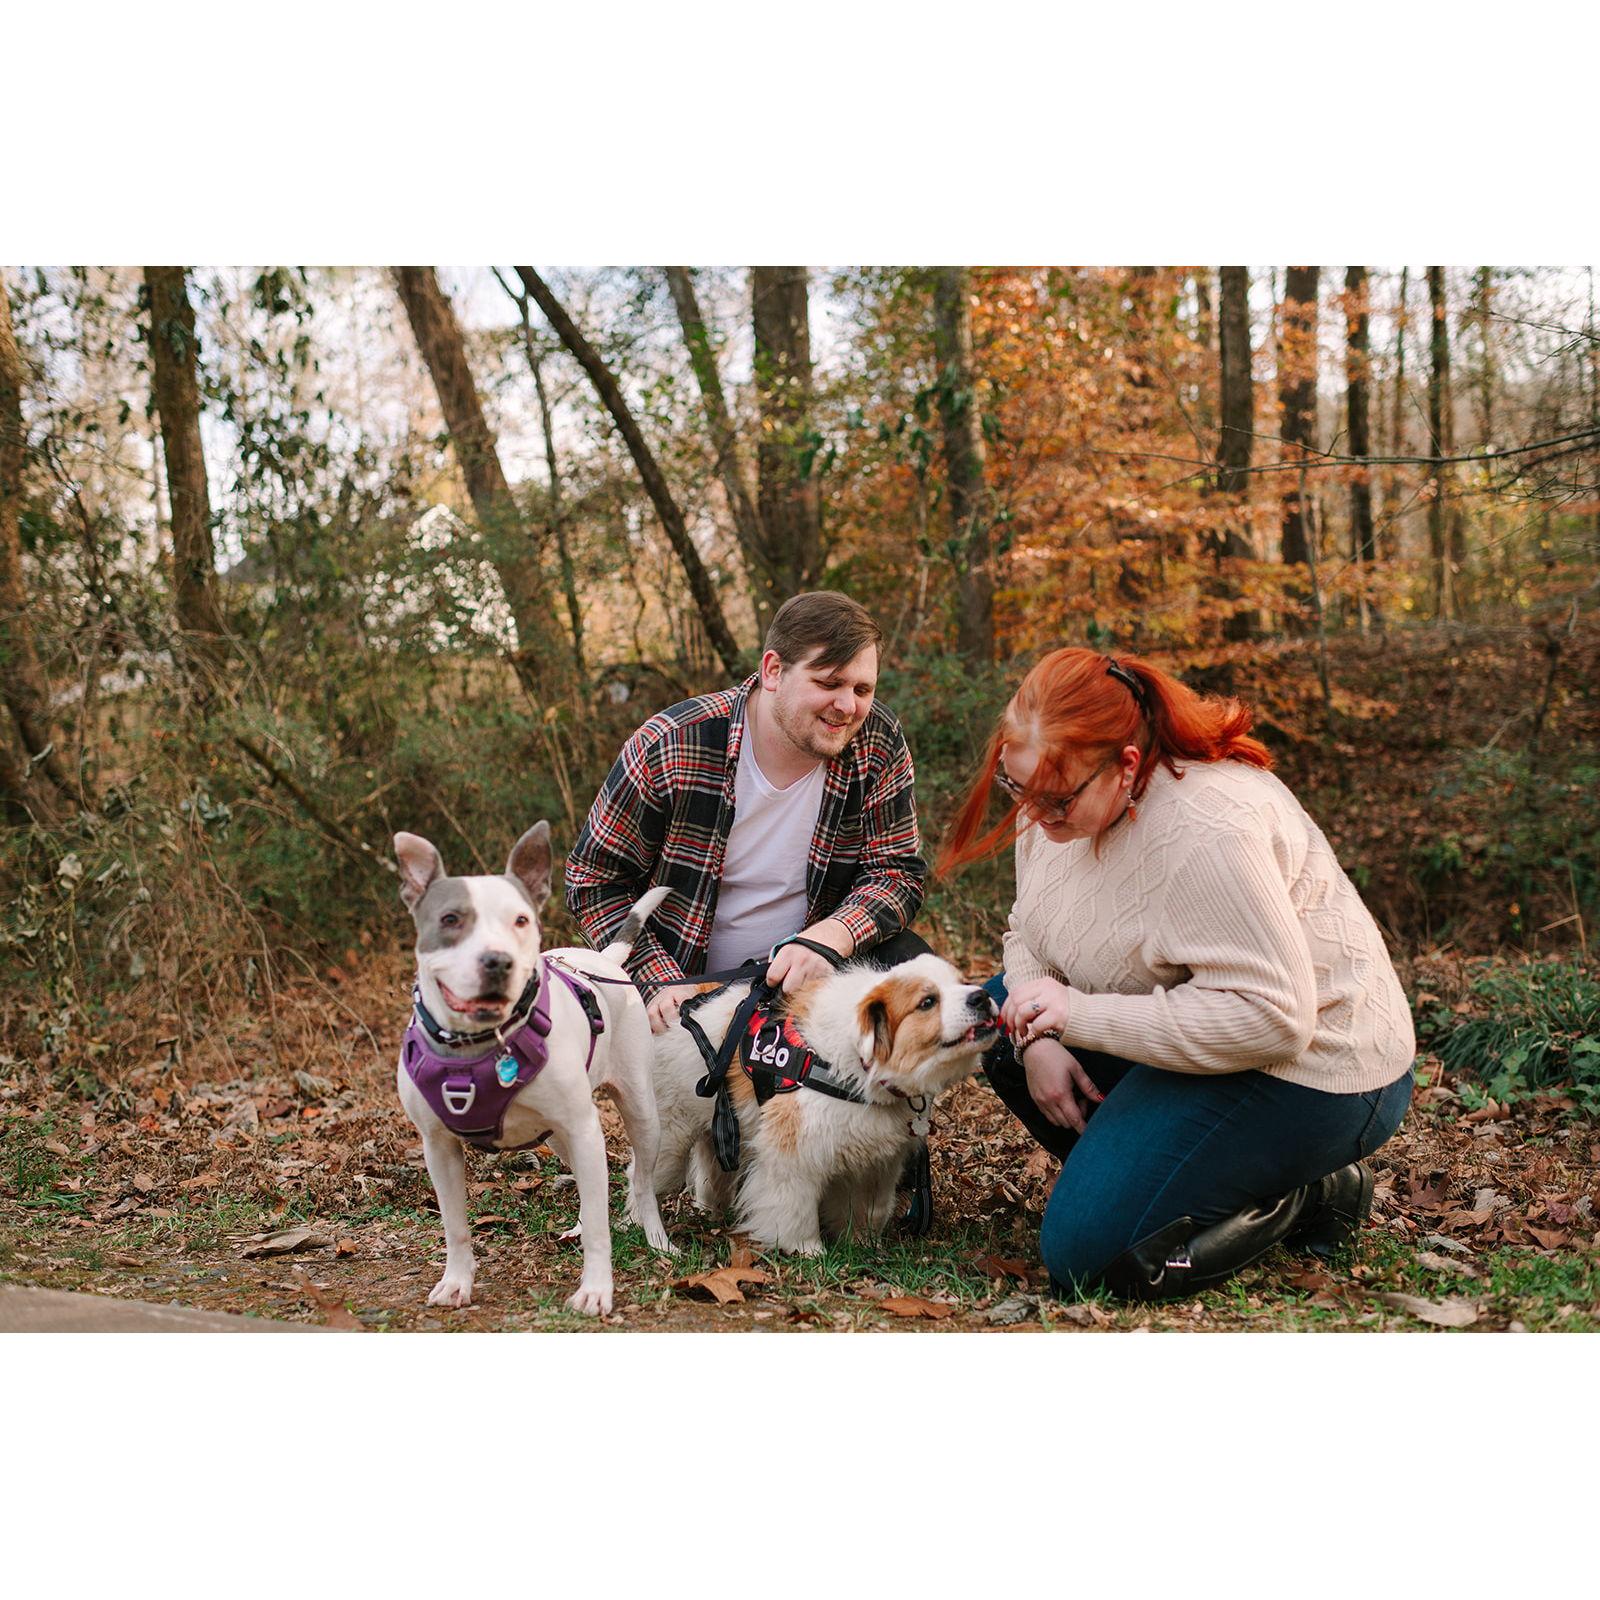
1363, 537
1439, 427
557, 520
753, 544
1297, 388
512, 551
786, 491
22, 680
964, 463
1397, 426
174, 361
1205, 337
558, 515
1237, 440
655, 483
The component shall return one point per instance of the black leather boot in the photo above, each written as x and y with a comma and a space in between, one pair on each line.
1336, 1206
1181, 1258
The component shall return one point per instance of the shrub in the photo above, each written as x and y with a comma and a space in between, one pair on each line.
1530, 1026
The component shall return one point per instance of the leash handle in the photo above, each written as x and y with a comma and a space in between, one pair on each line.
832, 957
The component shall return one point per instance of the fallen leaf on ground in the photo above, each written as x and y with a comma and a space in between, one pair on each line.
1550, 1238
337, 1313
1492, 1111
488, 1218
1311, 1281
1086, 1316
740, 1254
1039, 1165
282, 1244
723, 1284
1018, 1308
913, 1305
1468, 1219
1439, 1241
1442, 1313
992, 1266
1437, 1263
144, 1183
56, 1148
346, 1247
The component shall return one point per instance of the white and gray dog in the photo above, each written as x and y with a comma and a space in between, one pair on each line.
507, 1044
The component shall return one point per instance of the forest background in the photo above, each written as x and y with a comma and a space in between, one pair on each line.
293, 558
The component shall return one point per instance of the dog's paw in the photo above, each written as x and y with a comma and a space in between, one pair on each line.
449, 1291
657, 1239
591, 1300
571, 1233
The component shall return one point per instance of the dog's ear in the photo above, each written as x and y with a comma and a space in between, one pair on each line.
419, 866
875, 1026
530, 862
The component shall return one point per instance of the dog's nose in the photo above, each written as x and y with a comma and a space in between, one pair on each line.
981, 1001
495, 963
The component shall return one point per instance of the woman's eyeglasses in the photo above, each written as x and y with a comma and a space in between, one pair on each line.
1046, 807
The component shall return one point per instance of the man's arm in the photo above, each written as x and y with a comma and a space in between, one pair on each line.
615, 853
889, 882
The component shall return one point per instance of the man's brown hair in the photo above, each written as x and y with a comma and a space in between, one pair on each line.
824, 620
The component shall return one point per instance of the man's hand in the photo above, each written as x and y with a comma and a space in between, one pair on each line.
663, 1010
794, 966
1060, 1087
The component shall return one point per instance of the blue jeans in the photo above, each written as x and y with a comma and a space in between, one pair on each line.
1164, 1145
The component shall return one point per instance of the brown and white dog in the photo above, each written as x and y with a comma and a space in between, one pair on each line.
811, 1162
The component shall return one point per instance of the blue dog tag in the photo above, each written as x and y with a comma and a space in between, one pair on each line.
506, 1070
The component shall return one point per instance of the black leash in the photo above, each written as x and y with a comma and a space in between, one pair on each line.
724, 1124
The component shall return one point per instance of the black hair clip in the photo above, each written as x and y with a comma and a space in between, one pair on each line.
1122, 675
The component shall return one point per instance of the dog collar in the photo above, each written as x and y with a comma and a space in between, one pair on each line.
519, 1018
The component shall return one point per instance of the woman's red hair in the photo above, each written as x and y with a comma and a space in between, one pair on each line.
1070, 705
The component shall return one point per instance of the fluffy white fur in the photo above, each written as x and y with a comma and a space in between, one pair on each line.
810, 1162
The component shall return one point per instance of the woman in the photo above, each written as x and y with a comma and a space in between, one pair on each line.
1204, 1022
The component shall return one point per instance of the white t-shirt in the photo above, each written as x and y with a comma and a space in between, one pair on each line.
763, 893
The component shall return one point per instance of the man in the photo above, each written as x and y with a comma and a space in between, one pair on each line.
780, 808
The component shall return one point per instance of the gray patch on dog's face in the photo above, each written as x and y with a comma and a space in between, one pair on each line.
445, 896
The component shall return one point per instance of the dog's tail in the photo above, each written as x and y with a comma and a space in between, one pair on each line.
637, 916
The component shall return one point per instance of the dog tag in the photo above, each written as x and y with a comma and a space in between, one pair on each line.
505, 1070
920, 1119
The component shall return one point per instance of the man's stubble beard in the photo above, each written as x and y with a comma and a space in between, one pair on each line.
804, 736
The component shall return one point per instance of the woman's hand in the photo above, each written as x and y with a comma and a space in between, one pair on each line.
1036, 1007
1060, 1087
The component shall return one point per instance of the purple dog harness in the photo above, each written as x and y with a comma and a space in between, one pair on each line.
471, 1095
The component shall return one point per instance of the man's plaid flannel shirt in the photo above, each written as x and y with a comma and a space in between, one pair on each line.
666, 808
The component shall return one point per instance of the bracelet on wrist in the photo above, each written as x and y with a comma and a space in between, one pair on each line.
1048, 1033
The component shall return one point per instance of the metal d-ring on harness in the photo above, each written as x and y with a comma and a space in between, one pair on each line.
769, 1055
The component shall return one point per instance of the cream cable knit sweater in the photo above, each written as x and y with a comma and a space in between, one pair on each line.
1214, 932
